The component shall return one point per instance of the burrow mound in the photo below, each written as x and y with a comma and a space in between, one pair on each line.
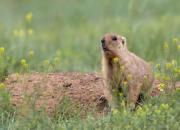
49, 89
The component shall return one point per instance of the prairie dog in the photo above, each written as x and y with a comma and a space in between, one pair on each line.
123, 71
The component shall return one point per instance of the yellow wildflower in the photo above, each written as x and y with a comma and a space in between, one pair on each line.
175, 40
23, 61
2, 50
158, 66
123, 103
122, 68
31, 53
173, 62
145, 77
46, 62
30, 31
139, 109
176, 70
24, 64
57, 60
169, 65
160, 89
129, 77
17, 75
21, 33
114, 111
165, 46
178, 47
115, 60
121, 94
125, 83
28, 17
157, 111
164, 106
125, 111
2, 86
161, 86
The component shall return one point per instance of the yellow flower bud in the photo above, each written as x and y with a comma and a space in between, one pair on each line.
166, 46
24, 64
158, 66
121, 94
157, 111
114, 111
175, 40
145, 77
123, 103
2, 50
115, 60
46, 62
173, 62
124, 83
56, 60
17, 75
178, 47
129, 77
23, 61
164, 106
2, 86
31, 53
161, 87
122, 68
28, 17
169, 65
30, 31
21, 33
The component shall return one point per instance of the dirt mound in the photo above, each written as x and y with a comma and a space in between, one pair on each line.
49, 89
84, 90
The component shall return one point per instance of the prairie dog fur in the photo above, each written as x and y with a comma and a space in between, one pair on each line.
123, 71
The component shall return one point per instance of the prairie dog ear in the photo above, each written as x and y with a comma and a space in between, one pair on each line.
123, 40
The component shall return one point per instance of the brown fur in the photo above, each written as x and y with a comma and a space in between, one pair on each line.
129, 68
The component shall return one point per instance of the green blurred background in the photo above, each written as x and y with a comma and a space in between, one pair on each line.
69, 31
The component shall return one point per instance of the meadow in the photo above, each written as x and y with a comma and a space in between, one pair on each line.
60, 35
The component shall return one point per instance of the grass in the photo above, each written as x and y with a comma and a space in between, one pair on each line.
157, 113
65, 36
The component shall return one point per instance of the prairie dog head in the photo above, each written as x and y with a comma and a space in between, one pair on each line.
113, 44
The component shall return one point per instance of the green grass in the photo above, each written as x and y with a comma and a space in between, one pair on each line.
67, 37
156, 114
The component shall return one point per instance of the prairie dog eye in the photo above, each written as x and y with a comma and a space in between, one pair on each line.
114, 38
103, 40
